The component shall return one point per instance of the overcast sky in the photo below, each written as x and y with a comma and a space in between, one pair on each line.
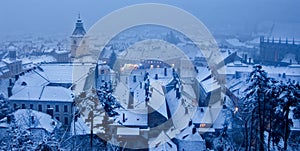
59, 16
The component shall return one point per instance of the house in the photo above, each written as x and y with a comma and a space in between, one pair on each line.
189, 139
104, 74
50, 88
210, 92
162, 143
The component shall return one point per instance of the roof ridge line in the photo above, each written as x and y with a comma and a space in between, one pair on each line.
42, 92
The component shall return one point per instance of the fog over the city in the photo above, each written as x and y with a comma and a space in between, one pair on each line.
230, 16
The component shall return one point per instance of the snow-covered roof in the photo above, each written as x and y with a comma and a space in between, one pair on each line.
157, 100
187, 135
133, 118
162, 143
209, 115
172, 101
2, 65
43, 93
231, 69
128, 131
210, 85
203, 73
159, 50
9, 61
59, 73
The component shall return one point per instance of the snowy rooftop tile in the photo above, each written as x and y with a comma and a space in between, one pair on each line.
46, 93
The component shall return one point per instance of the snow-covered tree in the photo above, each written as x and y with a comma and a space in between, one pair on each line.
265, 109
289, 97
223, 141
17, 138
255, 101
107, 100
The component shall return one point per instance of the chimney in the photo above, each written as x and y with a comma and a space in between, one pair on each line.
9, 91
10, 82
190, 123
9, 119
165, 72
245, 58
249, 60
32, 119
131, 100
16, 77
123, 117
194, 130
283, 75
186, 110
134, 78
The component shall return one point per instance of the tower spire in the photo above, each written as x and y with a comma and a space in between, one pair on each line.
79, 29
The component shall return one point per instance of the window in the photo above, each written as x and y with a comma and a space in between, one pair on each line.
40, 107
66, 121
48, 106
15, 106
31, 106
65, 108
57, 118
23, 106
56, 108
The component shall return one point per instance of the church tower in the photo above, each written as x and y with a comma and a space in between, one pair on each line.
77, 36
